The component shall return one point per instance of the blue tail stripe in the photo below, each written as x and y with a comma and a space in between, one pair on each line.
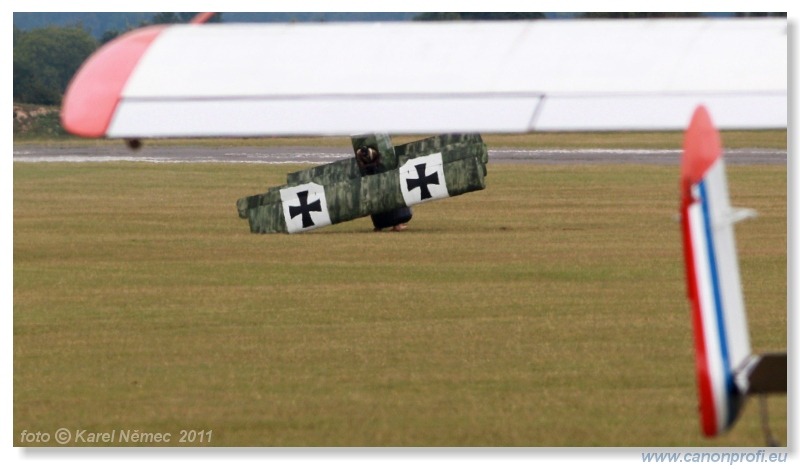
723, 338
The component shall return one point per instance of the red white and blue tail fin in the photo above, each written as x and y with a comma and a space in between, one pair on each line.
725, 365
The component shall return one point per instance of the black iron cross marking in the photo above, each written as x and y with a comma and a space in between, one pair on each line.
422, 182
305, 209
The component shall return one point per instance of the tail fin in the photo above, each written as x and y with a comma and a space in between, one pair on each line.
726, 369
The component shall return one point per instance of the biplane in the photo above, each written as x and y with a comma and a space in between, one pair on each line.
456, 80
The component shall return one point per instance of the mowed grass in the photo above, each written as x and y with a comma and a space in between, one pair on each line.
774, 139
547, 310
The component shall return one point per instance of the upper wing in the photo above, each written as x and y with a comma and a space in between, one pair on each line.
353, 78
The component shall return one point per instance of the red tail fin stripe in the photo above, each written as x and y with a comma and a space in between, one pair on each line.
705, 394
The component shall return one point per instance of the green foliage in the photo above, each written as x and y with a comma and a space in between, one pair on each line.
184, 17
109, 35
473, 16
45, 60
37, 123
641, 14
760, 14
29, 88
94, 22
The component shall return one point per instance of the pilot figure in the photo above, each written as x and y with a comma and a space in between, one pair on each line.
368, 159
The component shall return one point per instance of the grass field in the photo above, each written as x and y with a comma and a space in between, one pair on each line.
546, 310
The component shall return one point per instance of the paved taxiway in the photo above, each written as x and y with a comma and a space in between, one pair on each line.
318, 155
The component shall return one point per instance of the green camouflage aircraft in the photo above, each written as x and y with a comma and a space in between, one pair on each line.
381, 180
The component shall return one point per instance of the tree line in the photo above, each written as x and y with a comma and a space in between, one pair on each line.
45, 59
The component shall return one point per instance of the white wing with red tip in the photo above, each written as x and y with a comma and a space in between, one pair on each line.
421, 77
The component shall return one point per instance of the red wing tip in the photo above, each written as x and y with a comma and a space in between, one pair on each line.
702, 146
92, 96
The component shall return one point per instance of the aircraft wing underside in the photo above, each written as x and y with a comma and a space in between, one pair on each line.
415, 77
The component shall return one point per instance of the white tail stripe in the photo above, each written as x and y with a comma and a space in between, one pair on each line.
708, 313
